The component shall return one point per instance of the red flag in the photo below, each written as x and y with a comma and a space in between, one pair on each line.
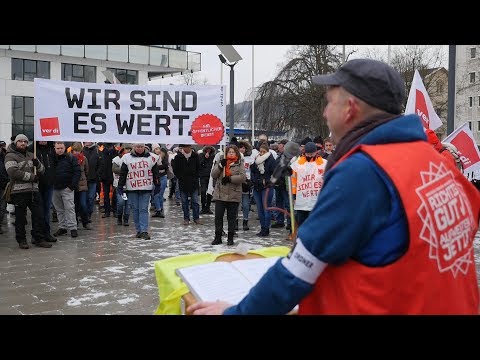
463, 140
419, 103
467, 149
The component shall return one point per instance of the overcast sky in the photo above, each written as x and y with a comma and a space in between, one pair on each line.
268, 60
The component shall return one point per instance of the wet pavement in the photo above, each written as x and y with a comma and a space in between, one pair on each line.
107, 270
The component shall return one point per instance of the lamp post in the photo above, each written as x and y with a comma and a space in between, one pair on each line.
232, 101
230, 57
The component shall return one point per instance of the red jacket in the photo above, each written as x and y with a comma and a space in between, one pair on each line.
437, 273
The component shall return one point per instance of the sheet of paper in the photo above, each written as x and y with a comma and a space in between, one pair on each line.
254, 269
215, 281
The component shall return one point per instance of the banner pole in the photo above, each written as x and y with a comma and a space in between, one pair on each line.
292, 211
34, 156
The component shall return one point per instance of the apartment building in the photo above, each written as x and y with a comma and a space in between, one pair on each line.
467, 83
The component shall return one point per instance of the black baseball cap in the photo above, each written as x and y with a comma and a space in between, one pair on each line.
372, 81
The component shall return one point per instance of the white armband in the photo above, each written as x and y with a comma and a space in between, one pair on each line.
303, 264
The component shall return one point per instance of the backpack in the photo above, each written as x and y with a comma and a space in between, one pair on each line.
456, 155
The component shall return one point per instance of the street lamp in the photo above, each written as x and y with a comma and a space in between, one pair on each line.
110, 77
230, 57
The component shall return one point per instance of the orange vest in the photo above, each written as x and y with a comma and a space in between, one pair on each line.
437, 273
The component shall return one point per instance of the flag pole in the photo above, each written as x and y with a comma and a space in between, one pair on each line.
34, 156
452, 55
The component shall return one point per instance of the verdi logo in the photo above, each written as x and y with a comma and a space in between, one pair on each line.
49, 126
421, 109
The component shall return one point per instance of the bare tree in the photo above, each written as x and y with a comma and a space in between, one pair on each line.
290, 101
193, 79
429, 61
424, 58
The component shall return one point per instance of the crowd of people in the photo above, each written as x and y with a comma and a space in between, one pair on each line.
65, 180
384, 221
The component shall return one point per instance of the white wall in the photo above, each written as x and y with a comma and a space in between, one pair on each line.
9, 87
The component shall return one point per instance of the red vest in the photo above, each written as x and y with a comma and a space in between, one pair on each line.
437, 273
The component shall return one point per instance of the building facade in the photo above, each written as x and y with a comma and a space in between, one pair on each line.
131, 64
467, 92
436, 84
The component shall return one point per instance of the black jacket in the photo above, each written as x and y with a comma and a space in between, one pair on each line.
260, 180
93, 158
206, 163
46, 155
67, 172
187, 171
105, 168
3, 172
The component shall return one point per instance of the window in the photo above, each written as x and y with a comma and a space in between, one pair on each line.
473, 53
22, 116
81, 73
472, 77
439, 87
479, 101
470, 101
470, 125
27, 70
125, 76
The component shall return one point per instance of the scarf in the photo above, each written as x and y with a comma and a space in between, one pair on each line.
355, 134
80, 157
187, 156
230, 161
260, 160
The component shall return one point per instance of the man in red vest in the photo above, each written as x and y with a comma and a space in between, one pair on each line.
400, 237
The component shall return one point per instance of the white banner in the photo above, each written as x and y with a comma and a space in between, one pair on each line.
463, 140
419, 103
77, 111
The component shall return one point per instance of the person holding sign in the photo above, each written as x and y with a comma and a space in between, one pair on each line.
400, 240
138, 176
23, 168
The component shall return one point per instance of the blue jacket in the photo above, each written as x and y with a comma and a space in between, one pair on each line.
354, 205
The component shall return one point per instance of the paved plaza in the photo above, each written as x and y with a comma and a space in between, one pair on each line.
105, 270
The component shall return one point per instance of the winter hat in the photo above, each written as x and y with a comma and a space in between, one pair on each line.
154, 146
305, 141
20, 137
310, 147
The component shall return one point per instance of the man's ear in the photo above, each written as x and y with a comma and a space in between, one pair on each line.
352, 109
